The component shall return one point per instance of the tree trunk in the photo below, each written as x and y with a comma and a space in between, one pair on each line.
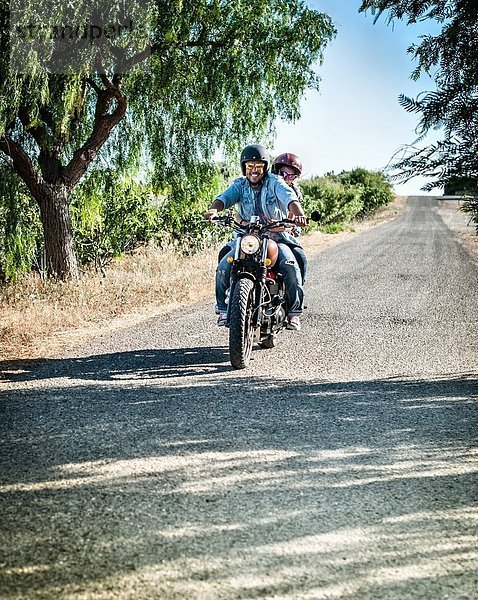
51, 183
61, 260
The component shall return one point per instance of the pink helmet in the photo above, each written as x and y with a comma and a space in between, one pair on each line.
287, 160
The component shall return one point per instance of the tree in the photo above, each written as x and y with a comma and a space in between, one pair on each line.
451, 57
163, 83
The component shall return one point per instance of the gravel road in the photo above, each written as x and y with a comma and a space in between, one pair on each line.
342, 464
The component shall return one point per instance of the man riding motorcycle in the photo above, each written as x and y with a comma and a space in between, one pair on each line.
259, 192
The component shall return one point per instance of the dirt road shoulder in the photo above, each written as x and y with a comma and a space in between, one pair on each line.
459, 222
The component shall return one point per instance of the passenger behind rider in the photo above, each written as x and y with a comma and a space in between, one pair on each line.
289, 167
259, 192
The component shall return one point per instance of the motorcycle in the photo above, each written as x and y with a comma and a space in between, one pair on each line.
256, 303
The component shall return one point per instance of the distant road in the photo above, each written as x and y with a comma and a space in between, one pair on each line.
342, 464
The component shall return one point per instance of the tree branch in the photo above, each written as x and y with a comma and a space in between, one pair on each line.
38, 133
22, 164
126, 65
103, 124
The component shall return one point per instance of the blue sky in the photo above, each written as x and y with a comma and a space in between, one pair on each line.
355, 119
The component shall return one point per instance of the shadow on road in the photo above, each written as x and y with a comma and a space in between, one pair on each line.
255, 488
139, 364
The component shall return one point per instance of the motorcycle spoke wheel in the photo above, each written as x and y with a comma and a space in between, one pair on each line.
241, 333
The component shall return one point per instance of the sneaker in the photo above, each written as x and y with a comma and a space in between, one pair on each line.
222, 320
293, 323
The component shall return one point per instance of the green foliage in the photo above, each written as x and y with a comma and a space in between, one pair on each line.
189, 78
376, 189
344, 197
111, 214
451, 58
219, 73
225, 73
187, 199
20, 229
336, 202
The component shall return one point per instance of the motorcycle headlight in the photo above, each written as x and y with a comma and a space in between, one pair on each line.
250, 244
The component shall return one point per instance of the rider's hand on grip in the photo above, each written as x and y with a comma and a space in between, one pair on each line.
210, 214
301, 221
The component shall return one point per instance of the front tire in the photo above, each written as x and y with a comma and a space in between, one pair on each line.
241, 333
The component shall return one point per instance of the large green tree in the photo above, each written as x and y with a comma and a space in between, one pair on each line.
451, 58
185, 77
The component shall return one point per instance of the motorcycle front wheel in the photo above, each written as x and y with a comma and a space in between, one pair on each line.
241, 333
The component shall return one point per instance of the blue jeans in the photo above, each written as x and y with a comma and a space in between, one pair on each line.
301, 259
287, 265
298, 251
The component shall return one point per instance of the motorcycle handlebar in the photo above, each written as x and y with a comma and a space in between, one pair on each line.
229, 221
289, 223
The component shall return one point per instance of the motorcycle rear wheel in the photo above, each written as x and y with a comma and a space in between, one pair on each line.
241, 333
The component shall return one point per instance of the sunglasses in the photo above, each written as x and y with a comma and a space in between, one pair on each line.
290, 176
250, 166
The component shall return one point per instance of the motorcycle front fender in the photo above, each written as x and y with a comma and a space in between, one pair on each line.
246, 275
234, 279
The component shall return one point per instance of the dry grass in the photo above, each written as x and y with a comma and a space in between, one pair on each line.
40, 319
43, 319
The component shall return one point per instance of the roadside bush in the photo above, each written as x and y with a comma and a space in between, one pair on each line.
111, 214
181, 214
336, 202
376, 189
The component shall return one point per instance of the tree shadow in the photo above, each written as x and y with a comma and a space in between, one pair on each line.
254, 489
135, 364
